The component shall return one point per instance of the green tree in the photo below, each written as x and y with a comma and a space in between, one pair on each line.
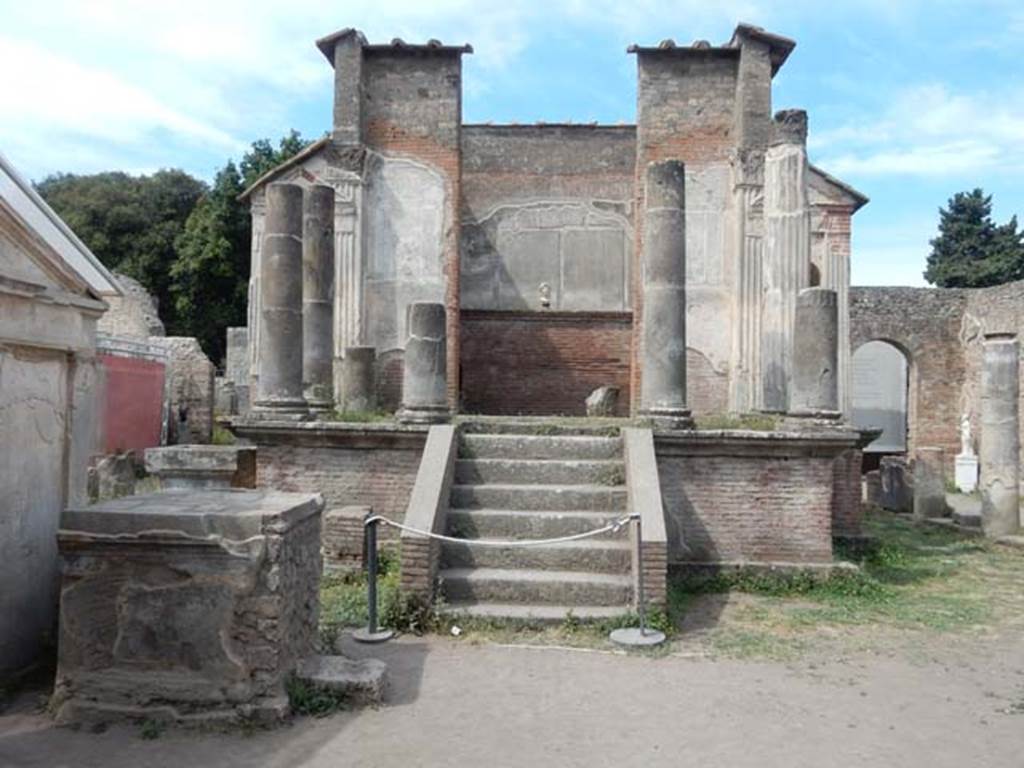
129, 222
211, 271
210, 275
971, 250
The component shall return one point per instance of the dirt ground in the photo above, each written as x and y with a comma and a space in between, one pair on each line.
455, 703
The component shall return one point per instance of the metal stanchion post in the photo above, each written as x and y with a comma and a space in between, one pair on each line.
371, 634
638, 636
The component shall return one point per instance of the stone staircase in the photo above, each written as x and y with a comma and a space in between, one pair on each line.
513, 483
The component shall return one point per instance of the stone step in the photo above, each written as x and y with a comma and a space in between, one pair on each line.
544, 426
503, 585
533, 614
562, 447
513, 524
539, 471
536, 497
592, 555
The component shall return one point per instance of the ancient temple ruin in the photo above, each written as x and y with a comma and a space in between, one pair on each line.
533, 236
409, 264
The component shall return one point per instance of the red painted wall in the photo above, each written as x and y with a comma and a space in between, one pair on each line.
133, 403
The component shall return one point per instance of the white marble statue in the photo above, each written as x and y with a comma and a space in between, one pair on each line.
966, 449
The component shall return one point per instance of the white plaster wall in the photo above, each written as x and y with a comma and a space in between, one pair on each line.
33, 409
403, 231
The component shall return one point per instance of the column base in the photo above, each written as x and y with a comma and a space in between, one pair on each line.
424, 414
320, 407
283, 409
669, 418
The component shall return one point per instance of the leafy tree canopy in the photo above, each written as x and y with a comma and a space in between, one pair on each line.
129, 222
971, 250
187, 243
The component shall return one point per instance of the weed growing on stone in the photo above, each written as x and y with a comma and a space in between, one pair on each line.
613, 476
360, 417
759, 422
151, 729
311, 700
222, 436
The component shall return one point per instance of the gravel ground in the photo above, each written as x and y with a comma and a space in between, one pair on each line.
452, 703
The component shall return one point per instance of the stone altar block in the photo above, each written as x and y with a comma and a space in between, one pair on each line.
187, 606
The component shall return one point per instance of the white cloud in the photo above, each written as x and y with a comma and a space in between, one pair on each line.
931, 130
87, 100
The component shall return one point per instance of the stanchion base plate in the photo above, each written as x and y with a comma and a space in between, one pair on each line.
633, 636
366, 636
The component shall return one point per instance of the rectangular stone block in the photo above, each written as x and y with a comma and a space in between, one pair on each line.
186, 606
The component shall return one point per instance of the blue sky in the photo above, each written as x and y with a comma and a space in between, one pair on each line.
908, 101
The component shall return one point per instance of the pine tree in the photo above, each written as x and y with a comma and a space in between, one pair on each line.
971, 250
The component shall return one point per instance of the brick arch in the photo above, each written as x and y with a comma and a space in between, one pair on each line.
924, 324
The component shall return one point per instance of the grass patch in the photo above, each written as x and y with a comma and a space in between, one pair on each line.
919, 578
759, 422
343, 603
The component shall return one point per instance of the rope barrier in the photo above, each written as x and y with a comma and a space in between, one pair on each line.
615, 526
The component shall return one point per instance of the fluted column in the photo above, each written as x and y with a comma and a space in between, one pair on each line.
1000, 436
279, 361
318, 297
787, 253
663, 264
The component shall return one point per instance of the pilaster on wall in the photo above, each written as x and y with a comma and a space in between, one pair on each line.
754, 132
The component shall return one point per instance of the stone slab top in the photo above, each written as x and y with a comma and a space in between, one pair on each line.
815, 440
194, 458
232, 514
322, 433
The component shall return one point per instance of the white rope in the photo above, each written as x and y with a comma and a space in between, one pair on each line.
614, 526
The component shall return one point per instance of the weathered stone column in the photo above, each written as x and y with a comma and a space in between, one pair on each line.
929, 483
424, 379
787, 252
815, 384
663, 346
279, 360
318, 297
1000, 436
358, 386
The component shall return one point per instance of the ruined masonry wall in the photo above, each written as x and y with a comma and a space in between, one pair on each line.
133, 315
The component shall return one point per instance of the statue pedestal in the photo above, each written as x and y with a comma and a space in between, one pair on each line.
966, 472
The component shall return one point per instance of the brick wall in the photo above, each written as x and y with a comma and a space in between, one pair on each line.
754, 508
381, 477
847, 510
542, 363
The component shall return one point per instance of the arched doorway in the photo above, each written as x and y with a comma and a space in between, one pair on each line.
880, 372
